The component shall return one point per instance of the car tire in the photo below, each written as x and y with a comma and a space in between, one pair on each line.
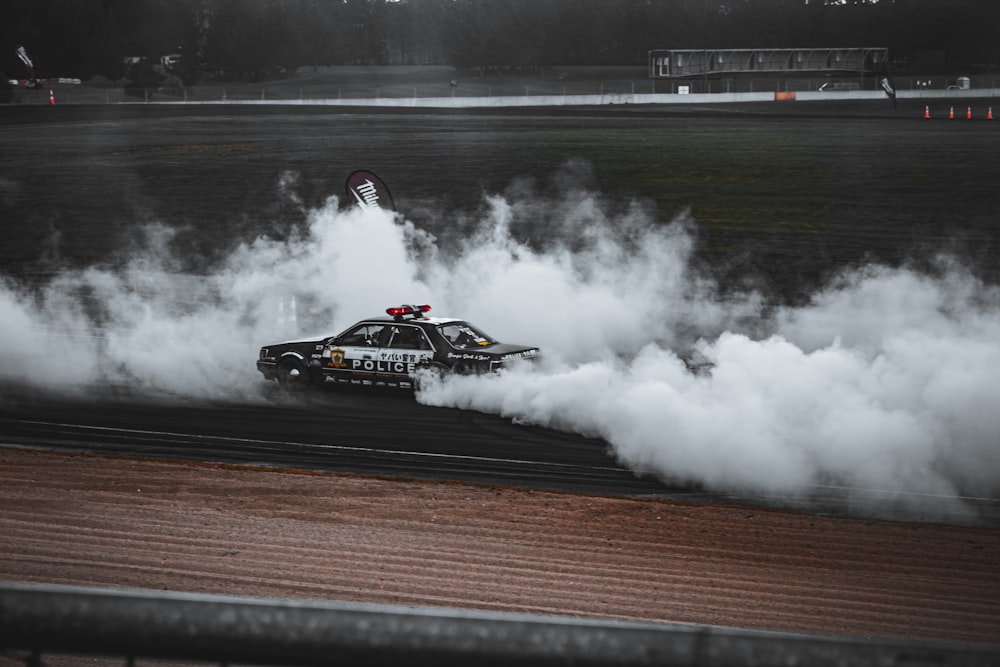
292, 375
438, 370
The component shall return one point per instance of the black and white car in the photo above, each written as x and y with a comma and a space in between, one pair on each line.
389, 351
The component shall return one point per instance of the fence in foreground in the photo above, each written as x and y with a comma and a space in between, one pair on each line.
39, 619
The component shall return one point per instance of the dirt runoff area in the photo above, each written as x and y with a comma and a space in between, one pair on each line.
123, 522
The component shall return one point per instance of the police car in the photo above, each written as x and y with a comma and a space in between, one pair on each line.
389, 351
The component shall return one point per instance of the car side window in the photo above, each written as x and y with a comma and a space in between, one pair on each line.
363, 335
408, 338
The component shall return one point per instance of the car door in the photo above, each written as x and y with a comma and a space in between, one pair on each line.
405, 346
352, 357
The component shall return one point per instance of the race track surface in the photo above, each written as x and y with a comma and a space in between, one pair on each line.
390, 435
387, 434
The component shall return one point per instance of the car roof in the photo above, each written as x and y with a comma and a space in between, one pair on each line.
435, 321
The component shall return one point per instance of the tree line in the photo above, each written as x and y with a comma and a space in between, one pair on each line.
254, 39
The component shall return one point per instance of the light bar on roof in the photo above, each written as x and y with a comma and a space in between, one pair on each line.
401, 311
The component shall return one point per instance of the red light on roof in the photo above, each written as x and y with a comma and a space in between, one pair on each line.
400, 311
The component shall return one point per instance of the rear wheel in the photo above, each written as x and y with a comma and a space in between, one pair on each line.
292, 374
429, 374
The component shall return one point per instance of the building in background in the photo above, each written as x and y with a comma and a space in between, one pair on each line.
681, 63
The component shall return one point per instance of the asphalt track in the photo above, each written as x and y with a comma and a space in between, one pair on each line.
390, 435
383, 434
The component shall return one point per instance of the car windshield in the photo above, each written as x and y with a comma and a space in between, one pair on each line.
464, 336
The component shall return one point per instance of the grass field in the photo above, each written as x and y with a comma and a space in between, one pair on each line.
786, 200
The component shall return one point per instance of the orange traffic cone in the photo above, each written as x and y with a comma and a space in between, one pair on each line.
989, 114
927, 112
52, 98
968, 113
951, 112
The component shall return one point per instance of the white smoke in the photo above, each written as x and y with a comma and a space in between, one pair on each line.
885, 380
148, 328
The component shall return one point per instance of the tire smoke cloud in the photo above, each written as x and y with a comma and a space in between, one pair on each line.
886, 379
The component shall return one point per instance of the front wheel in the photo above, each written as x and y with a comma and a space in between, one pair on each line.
292, 375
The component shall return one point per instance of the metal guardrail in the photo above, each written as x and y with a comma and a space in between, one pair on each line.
441, 94
45, 619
